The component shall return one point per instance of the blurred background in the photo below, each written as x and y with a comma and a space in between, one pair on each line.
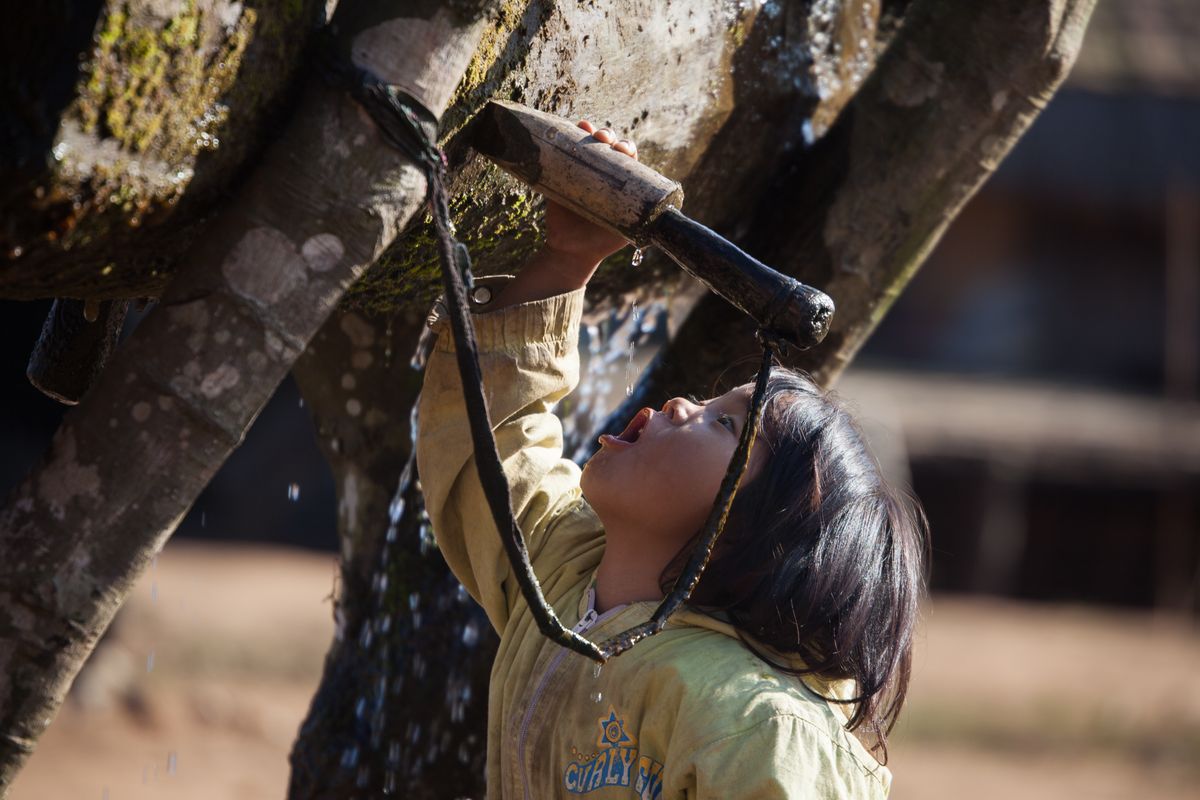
1038, 385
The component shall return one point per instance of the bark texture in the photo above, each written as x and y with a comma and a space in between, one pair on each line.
864, 205
402, 705
125, 122
127, 463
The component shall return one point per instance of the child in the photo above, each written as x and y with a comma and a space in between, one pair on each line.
799, 630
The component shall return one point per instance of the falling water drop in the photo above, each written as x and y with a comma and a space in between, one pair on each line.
636, 315
172, 763
150, 661
596, 669
637, 257
396, 508
293, 492
597, 697
203, 519
154, 592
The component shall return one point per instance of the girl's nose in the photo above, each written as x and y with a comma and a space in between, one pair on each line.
679, 409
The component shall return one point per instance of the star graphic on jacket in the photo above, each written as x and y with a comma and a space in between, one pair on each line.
612, 731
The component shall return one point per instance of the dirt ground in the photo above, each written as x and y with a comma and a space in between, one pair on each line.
199, 689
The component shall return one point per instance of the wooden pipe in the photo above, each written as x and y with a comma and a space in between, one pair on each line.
573, 168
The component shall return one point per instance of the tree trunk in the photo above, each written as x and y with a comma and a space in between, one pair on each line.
402, 705
857, 213
127, 463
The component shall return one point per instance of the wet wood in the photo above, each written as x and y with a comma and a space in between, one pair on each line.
572, 167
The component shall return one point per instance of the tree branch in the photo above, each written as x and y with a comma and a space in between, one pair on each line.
176, 399
857, 213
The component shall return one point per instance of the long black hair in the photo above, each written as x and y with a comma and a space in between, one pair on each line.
821, 558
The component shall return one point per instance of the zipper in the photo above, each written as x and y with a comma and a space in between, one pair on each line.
588, 620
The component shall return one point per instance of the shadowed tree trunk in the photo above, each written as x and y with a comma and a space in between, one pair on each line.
178, 396
402, 705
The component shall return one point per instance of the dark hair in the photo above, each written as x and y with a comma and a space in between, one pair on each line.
821, 557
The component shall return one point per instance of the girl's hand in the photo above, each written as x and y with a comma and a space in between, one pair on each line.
570, 238
573, 249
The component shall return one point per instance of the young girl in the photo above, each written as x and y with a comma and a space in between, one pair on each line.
799, 632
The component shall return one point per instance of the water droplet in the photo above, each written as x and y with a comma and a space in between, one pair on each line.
596, 669
396, 509
302, 402
154, 592
172, 763
629, 372
293, 492
637, 257
104, 793
364, 777
350, 757
470, 634
203, 519
597, 697
150, 661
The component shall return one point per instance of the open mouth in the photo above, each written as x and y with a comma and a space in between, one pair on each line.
632, 432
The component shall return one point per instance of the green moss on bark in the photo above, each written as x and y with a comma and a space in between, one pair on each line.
498, 225
155, 87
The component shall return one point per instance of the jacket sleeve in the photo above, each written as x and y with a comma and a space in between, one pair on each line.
529, 360
793, 760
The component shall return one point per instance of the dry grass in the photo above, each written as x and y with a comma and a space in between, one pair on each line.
1008, 700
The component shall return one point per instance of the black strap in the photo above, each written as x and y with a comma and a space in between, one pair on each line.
412, 129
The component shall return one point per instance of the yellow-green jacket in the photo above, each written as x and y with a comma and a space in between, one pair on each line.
689, 713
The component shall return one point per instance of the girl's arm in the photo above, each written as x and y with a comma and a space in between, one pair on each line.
529, 360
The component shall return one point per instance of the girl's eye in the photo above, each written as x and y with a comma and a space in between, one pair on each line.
726, 419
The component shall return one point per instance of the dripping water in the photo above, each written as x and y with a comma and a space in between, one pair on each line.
612, 339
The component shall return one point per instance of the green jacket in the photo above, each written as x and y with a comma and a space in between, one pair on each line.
689, 713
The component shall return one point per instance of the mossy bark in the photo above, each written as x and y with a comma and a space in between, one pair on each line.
107, 185
127, 463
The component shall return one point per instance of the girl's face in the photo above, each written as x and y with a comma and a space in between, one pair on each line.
659, 478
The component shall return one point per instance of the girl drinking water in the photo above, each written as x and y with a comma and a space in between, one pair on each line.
797, 640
